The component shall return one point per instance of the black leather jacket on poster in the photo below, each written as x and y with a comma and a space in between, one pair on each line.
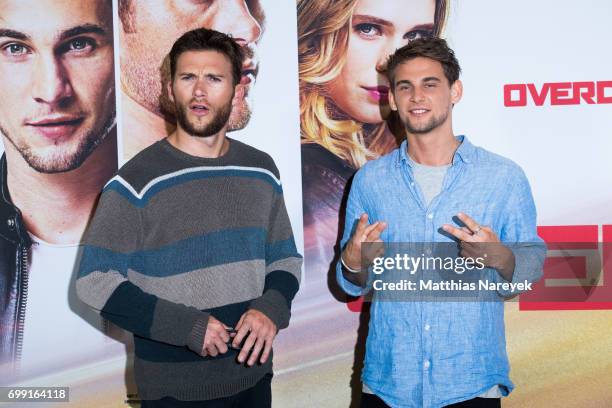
15, 246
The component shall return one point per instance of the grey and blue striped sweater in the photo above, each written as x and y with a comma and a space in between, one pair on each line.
176, 238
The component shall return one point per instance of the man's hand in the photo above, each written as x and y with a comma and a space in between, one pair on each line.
478, 241
261, 332
215, 339
364, 232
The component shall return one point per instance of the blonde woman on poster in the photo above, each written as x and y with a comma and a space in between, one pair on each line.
343, 47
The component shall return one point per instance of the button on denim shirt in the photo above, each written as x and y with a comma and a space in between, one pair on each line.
431, 354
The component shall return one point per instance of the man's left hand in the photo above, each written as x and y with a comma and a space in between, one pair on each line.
261, 332
479, 241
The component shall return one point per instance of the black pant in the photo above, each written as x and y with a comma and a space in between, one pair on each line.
372, 401
258, 396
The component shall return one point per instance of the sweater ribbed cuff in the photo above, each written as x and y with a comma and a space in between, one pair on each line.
274, 305
195, 342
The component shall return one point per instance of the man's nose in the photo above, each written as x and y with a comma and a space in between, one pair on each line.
236, 19
199, 89
51, 81
417, 94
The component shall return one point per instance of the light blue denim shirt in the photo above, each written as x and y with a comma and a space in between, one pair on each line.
431, 354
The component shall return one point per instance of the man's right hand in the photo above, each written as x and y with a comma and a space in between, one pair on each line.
216, 338
351, 255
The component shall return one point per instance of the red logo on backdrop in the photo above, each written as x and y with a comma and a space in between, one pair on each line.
558, 93
577, 271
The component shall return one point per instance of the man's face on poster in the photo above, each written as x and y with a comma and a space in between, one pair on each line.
150, 27
57, 100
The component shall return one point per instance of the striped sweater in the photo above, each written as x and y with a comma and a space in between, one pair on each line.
176, 238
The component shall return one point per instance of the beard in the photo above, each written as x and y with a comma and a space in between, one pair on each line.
64, 160
218, 121
427, 127
241, 114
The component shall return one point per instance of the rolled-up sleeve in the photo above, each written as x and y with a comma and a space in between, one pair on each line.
519, 233
354, 208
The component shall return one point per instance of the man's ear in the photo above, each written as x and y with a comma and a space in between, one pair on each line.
392, 103
238, 94
456, 91
169, 90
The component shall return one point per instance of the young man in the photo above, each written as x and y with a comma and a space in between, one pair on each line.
148, 115
191, 248
438, 353
57, 120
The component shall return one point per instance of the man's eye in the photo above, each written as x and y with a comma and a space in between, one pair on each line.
368, 30
15, 50
80, 45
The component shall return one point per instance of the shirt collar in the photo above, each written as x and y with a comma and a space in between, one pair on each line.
465, 152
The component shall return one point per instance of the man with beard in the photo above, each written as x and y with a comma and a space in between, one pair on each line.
148, 114
191, 248
57, 120
438, 188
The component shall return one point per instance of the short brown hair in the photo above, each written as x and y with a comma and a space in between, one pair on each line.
431, 47
203, 39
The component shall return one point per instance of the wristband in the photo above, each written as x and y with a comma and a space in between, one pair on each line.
348, 268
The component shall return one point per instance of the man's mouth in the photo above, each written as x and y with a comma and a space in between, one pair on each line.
249, 75
56, 126
55, 120
199, 109
250, 65
418, 111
